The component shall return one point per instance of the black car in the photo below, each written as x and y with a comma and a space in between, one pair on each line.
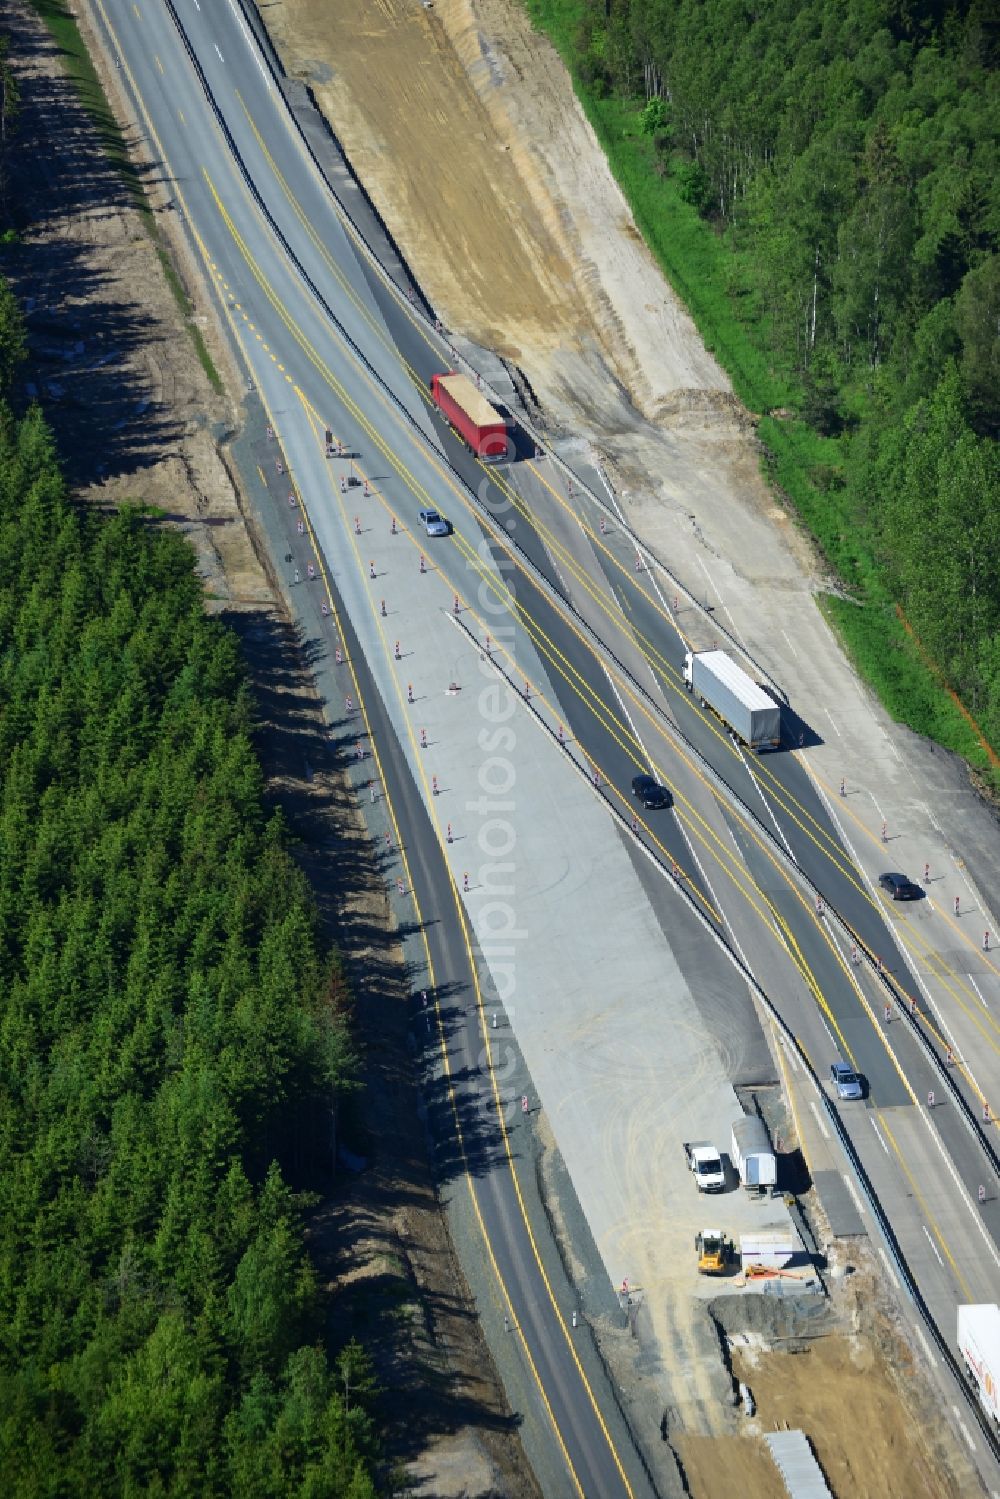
899, 887
651, 793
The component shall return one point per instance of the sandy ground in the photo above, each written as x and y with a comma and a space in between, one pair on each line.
874, 1429
462, 125
847, 1379
505, 208
136, 419
583, 309
610, 352
854, 1396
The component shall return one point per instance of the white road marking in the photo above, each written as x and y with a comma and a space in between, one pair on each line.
925, 991
925, 1345
889, 1270
931, 1242
730, 616
687, 840
819, 1119
611, 494
789, 1051
932, 819
912, 966
974, 1213
849, 968
716, 902
878, 1135
735, 627
722, 601
979, 991
858, 1204
924, 1113
791, 644
216, 46
751, 773
650, 571
250, 43
833, 722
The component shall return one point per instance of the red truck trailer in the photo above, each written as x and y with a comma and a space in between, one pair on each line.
479, 426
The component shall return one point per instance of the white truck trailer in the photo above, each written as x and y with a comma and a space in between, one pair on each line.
739, 701
979, 1345
752, 1155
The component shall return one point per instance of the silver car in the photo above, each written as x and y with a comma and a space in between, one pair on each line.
434, 524
847, 1082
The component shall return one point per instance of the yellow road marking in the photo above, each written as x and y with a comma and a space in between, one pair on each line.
468, 1177
352, 233
450, 483
790, 1093
419, 760
914, 1188
409, 479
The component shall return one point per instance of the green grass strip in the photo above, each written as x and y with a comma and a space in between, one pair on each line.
184, 303
716, 288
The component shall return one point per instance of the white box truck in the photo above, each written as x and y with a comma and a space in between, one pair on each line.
752, 1155
979, 1345
739, 701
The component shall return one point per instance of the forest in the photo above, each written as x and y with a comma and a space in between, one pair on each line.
822, 184
172, 1040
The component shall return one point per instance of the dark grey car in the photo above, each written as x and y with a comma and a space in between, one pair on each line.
900, 887
651, 793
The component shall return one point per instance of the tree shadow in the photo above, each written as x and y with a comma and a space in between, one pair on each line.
413, 1127
86, 334
306, 763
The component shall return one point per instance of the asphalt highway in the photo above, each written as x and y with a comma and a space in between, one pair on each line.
328, 344
784, 804
305, 360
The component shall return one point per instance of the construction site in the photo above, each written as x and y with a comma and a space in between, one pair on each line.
760, 1332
